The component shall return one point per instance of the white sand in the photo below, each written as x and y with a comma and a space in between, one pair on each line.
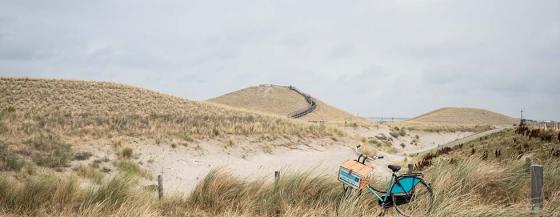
182, 168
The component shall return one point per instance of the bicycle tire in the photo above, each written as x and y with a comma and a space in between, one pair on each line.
419, 204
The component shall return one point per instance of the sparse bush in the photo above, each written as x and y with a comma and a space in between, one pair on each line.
392, 150
96, 163
90, 173
132, 168
49, 151
368, 150
9, 160
188, 137
394, 134
402, 132
215, 132
126, 153
82, 155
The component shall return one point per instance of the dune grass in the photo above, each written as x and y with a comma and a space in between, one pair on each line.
89, 109
469, 187
464, 116
280, 100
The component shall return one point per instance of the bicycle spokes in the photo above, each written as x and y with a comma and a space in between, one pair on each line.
418, 202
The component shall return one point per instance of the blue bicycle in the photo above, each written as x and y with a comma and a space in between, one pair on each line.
408, 193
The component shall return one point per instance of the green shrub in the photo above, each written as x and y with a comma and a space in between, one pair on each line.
126, 153
59, 157
10, 160
14, 162
82, 155
90, 173
187, 137
132, 168
112, 193
402, 132
49, 151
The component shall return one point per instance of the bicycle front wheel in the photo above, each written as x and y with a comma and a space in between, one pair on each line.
418, 202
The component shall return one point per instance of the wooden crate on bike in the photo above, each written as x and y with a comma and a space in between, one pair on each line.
354, 174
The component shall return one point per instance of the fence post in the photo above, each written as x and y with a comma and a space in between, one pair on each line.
410, 168
537, 193
276, 179
160, 186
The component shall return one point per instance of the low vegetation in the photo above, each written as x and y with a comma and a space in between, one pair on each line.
102, 110
469, 187
463, 117
397, 132
444, 128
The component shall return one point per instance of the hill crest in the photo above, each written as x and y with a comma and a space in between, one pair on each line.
94, 108
463, 116
283, 101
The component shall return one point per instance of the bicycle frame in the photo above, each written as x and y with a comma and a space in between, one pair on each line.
383, 198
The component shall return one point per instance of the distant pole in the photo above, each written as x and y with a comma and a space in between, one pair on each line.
160, 186
537, 193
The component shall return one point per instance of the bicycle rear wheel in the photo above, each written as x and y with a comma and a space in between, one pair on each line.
418, 202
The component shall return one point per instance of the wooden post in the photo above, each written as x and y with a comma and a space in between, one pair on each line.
160, 186
537, 193
276, 179
410, 168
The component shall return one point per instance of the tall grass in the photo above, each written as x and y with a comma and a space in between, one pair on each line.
62, 196
469, 187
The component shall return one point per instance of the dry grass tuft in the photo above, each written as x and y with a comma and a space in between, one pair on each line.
89, 109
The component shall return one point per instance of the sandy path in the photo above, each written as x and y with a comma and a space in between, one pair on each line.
457, 141
182, 169
428, 140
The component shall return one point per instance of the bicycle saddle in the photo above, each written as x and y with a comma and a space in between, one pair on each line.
394, 168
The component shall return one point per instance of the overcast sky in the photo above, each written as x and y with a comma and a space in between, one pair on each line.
371, 58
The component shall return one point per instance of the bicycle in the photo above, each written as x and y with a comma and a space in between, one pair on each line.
408, 193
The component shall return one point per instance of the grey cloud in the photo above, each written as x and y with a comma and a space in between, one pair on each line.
375, 58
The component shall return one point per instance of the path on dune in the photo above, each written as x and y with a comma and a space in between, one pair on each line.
312, 105
457, 142
182, 169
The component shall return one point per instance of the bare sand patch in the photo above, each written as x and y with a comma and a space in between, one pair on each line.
183, 169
